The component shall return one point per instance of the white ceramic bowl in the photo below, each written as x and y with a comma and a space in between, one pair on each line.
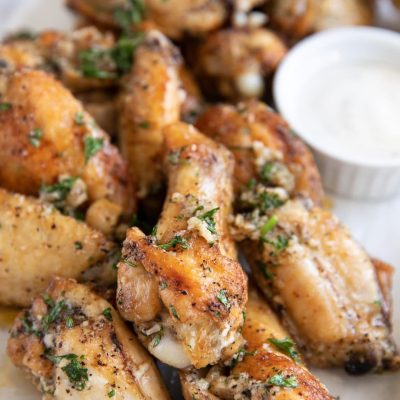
344, 175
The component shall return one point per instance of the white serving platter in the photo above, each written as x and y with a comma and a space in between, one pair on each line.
375, 225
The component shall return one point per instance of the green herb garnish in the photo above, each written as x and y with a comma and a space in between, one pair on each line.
55, 310
79, 118
174, 312
222, 298
163, 285
281, 380
77, 374
129, 15
92, 146
69, 322
35, 136
269, 225
59, 190
175, 241
286, 346
208, 218
111, 393
5, 106
78, 245
107, 313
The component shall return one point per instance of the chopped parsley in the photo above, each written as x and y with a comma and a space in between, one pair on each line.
263, 268
174, 312
69, 322
154, 231
280, 243
222, 298
129, 15
286, 346
35, 136
269, 225
5, 106
208, 218
59, 190
79, 118
107, 313
122, 53
111, 393
92, 146
78, 245
175, 241
157, 337
92, 63
27, 324
128, 262
289, 381
240, 355
55, 309
163, 285
75, 370
266, 172
268, 201
144, 125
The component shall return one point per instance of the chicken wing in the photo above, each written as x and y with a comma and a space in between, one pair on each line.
174, 18
37, 243
74, 345
269, 367
311, 269
298, 18
233, 63
50, 145
181, 287
151, 99
254, 133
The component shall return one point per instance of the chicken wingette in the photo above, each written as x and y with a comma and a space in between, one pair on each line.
174, 18
269, 367
73, 344
181, 286
234, 63
151, 99
37, 243
49, 146
318, 278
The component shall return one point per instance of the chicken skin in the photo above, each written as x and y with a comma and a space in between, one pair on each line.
73, 344
151, 99
181, 286
317, 277
174, 18
37, 243
298, 18
233, 63
50, 146
269, 367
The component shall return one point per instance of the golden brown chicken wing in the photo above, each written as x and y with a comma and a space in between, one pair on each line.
37, 243
298, 18
74, 344
50, 145
311, 269
269, 367
151, 99
255, 134
174, 18
233, 63
180, 286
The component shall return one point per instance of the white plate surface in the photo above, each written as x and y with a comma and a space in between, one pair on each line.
375, 225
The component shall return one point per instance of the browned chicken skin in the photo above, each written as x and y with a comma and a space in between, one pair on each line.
174, 18
180, 287
47, 139
260, 371
298, 18
73, 343
233, 63
308, 265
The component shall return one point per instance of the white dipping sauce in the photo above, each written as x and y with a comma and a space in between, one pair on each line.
354, 109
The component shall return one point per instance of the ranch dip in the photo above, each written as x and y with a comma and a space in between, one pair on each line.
353, 109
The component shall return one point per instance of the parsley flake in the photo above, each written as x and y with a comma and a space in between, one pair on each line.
286, 346
208, 218
281, 380
175, 241
35, 136
222, 298
92, 146
174, 312
107, 313
5, 106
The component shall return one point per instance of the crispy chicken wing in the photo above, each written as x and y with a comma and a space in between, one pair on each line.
37, 243
314, 273
174, 18
49, 144
297, 18
233, 63
181, 287
74, 345
253, 132
151, 99
268, 368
